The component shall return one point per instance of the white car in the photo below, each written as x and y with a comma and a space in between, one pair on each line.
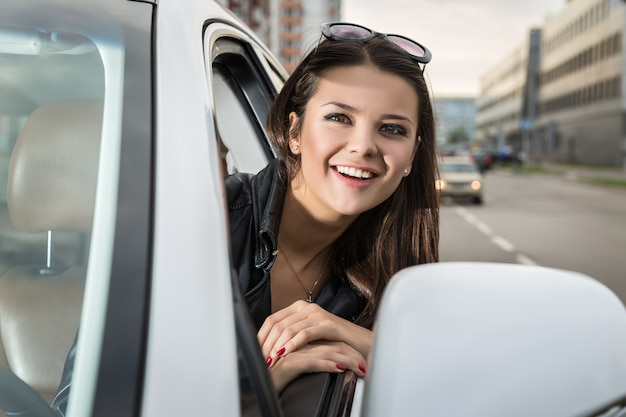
460, 179
118, 121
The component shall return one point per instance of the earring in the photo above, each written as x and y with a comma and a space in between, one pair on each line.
296, 147
406, 172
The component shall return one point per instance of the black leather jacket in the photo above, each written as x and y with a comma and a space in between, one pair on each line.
255, 204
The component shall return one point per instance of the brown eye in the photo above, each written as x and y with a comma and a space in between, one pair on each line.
339, 118
393, 129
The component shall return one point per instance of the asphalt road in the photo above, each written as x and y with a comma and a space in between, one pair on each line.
544, 220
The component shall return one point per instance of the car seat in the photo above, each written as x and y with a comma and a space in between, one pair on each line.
51, 188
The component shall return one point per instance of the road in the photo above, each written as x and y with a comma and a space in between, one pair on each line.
544, 220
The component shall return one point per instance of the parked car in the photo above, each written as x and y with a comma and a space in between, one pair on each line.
118, 121
460, 179
504, 155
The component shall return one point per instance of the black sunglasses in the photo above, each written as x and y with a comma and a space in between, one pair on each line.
350, 32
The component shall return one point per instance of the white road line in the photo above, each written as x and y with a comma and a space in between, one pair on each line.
524, 260
469, 217
484, 228
504, 244
499, 241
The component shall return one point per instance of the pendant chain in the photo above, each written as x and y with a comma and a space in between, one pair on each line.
309, 293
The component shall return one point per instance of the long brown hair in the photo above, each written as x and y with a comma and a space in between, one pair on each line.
404, 229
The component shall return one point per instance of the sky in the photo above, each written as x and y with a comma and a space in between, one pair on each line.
466, 37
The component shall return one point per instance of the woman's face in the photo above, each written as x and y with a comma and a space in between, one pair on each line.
357, 139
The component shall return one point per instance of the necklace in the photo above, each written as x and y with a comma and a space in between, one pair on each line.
309, 298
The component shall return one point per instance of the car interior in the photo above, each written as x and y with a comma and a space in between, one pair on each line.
41, 297
49, 154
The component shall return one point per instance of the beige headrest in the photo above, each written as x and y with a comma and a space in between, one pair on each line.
53, 171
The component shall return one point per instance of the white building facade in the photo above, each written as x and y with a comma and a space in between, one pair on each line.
564, 98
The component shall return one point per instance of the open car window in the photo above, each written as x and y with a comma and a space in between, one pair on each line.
242, 95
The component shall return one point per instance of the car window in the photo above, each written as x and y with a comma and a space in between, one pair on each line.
459, 168
53, 86
66, 102
241, 149
242, 95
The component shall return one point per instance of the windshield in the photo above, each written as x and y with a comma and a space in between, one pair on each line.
63, 83
452, 167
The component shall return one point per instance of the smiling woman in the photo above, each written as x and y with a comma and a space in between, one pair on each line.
350, 200
370, 146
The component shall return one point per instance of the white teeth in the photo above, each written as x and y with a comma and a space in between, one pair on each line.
353, 172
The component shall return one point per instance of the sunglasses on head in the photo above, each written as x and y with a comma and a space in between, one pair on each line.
350, 32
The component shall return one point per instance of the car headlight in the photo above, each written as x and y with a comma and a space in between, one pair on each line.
440, 184
475, 185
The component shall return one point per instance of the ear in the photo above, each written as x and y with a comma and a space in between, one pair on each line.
294, 134
407, 171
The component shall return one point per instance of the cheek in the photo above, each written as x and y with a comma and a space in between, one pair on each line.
398, 156
319, 142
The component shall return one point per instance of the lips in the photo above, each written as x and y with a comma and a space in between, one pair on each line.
358, 173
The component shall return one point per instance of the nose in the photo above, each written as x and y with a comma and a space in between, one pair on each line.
362, 141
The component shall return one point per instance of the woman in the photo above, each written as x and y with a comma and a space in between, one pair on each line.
350, 200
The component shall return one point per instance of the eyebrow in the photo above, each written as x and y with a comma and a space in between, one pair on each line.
350, 108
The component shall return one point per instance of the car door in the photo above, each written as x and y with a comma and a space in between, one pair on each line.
213, 92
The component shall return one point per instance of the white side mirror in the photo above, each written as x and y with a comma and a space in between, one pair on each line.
482, 339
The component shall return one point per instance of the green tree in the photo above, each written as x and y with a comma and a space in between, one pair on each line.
458, 135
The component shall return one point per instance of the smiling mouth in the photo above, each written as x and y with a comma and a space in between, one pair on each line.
357, 173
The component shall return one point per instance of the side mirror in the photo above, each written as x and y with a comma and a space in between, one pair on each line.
488, 339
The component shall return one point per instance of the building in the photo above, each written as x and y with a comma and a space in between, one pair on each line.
289, 27
561, 96
504, 107
255, 13
581, 99
295, 27
454, 115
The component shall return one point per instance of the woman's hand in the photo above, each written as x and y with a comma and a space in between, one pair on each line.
301, 323
334, 357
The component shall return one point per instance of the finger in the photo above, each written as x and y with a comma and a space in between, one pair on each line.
328, 357
349, 357
280, 331
318, 325
290, 367
277, 317
299, 334
278, 342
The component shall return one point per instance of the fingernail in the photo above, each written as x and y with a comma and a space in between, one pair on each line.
268, 361
341, 367
362, 369
280, 352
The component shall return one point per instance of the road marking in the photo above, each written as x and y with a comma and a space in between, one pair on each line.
524, 260
504, 244
484, 228
499, 241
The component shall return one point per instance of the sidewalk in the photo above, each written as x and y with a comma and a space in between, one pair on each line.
613, 177
583, 171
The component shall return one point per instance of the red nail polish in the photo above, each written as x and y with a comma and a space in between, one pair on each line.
341, 367
362, 369
268, 361
280, 352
